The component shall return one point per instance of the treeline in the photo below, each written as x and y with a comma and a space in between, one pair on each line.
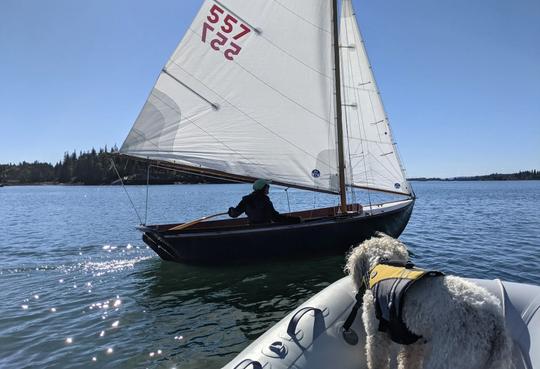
521, 175
91, 168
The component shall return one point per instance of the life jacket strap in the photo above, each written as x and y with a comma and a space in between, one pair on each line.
354, 311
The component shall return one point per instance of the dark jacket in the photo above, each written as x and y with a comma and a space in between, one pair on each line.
260, 210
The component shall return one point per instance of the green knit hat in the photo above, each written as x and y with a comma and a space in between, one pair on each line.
260, 184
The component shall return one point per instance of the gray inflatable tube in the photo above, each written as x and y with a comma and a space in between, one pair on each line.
311, 336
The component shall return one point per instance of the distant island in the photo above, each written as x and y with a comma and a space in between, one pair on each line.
94, 168
519, 176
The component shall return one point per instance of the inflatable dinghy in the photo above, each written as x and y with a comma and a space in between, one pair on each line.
312, 336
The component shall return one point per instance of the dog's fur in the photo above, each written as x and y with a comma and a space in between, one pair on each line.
461, 324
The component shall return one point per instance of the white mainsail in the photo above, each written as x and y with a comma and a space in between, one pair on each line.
372, 156
248, 92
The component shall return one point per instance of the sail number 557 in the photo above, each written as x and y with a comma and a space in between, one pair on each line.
226, 31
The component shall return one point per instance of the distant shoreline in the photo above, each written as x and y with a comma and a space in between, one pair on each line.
209, 183
520, 176
94, 168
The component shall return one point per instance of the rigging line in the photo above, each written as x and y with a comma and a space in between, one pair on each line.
359, 111
342, 62
368, 90
270, 87
127, 193
388, 161
382, 175
255, 120
381, 164
300, 17
371, 141
288, 202
362, 129
212, 136
147, 188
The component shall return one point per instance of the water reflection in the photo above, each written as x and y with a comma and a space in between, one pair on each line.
215, 312
247, 288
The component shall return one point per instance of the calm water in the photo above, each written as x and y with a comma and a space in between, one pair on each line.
79, 289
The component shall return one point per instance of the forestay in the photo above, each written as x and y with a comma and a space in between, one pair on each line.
372, 155
249, 92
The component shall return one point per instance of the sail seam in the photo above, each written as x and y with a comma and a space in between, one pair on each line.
251, 118
300, 17
295, 58
270, 87
170, 126
209, 134
193, 123
269, 41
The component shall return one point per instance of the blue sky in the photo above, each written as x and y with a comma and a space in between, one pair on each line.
460, 79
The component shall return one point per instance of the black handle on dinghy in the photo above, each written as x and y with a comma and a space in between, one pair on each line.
247, 362
291, 329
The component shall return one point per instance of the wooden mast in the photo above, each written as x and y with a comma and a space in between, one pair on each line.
339, 115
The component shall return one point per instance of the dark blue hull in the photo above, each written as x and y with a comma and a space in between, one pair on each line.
243, 243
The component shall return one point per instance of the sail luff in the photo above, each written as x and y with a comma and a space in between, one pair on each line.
402, 168
339, 113
374, 160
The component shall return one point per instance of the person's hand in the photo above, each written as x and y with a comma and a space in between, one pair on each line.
231, 212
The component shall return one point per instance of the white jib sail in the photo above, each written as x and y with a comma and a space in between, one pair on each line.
371, 154
249, 91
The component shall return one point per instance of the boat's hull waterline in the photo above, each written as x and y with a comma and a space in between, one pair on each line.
227, 241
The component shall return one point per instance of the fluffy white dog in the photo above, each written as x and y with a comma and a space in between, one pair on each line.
461, 324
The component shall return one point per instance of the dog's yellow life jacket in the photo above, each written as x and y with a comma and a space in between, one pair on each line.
389, 282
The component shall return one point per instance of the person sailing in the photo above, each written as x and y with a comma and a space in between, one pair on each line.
259, 208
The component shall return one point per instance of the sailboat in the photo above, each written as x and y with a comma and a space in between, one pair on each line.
280, 90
